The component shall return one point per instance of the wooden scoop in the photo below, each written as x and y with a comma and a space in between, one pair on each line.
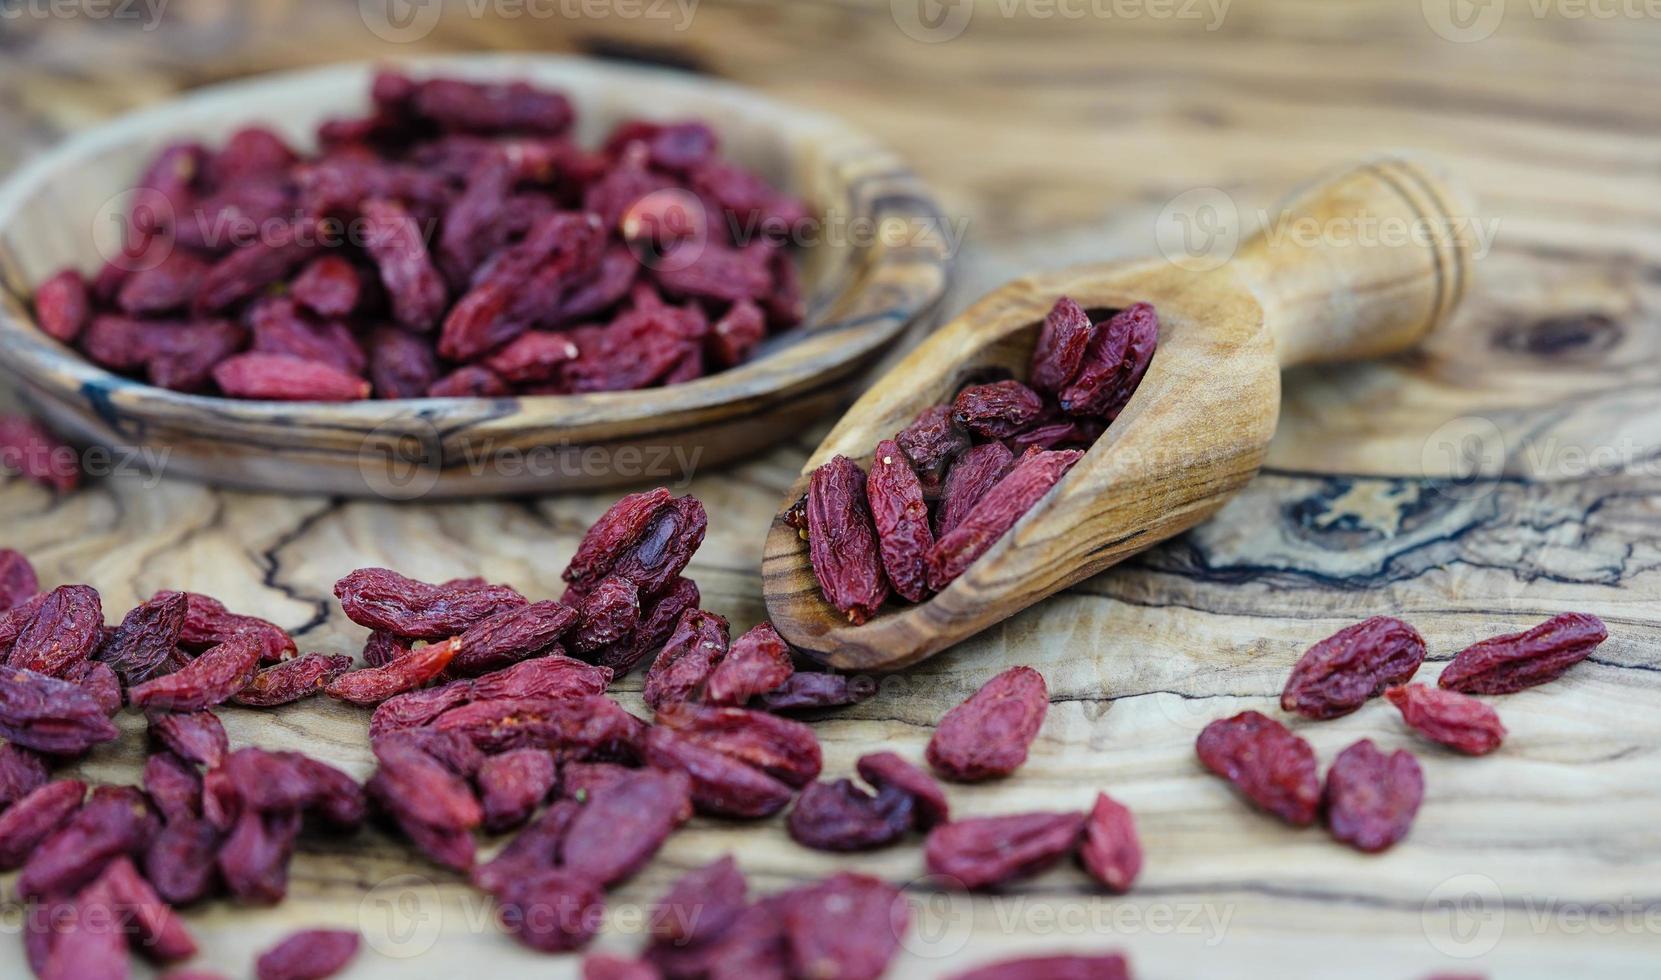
1358, 266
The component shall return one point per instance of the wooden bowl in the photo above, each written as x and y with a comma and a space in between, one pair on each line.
863, 292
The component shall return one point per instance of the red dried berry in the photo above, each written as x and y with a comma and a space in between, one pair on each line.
536, 848
736, 334
931, 442
721, 785
813, 691
30, 450
1371, 798
18, 583
310, 955
1111, 966
997, 410
996, 512
155, 927
65, 630
382, 599
601, 967
885, 770
786, 750
1111, 851
548, 676
839, 816
848, 927
757, 663
988, 735
253, 861
292, 680
552, 911
660, 614
196, 736
608, 613
700, 905
902, 521
62, 306
50, 715
166, 287
842, 540
1274, 768
279, 328
1511, 663
688, 657
1456, 720
208, 623
147, 636
284, 377
401, 365
990, 851
109, 825
208, 680
1114, 362
622, 825
180, 861
512, 785
513, 635
174, 787
392, 237
372, 685
1061, 344
583, 727
21, 773
1337, 675
329, 286
35, 816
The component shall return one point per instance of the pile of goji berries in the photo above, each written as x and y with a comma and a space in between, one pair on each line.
453, 242
1369, 799
949, 485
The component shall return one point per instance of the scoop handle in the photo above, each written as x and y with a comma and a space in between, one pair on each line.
1363, 263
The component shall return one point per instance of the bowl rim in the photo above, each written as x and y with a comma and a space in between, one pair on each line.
44, 363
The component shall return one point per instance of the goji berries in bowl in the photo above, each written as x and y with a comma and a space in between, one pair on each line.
653, 359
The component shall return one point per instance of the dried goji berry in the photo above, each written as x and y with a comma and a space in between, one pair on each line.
174, 787
18, 582
66, 629
1274, 768
99, 681
623, 824
997, 410
35, 816
1111, 851
392, 237
996, 512
1114, 362
931, 442
180, 861
885, 770
989, 851
253, 861
21, 773
328, 286
292, 680
309, 955
552, 911
1061, 344
609, 612
988, 735
280, 328
1510, 663
814, 690
659, 616
1110, 966
155, 928
902, 521
146, 637
107, 826
1371, 798
512, 785
197, 736
513, 635
584, 726
842, 540
165, 287
1456, 720
757, 662
839, 816
736, 334
50, 715
972, 474
62, 306
208, 680
548, 676
786, 750
848, 926
401, 365
284, 377
721, 784
701, 904
384, 600
692, 652
372, 685
208, 623
27, 448
536, 848
1337, 675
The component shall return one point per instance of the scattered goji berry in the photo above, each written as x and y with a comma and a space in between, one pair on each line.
988, 735
292, 680
372, 685
1371, 798
512, 785
1505, 664
309, 955
1274, 768
208, 680
989, 851
623, 824
140, 646
552, 911
382, 599
839, 816
842, 540
701, 904
1111, 851
65, 630
1337, 675
848, 926
50, 715
35, 816
689, 656
1456, 720
756, 664
885, 770
814, 690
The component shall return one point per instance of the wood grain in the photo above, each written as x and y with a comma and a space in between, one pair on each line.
1060, 141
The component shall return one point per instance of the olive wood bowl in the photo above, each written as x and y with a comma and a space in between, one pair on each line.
861, 296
